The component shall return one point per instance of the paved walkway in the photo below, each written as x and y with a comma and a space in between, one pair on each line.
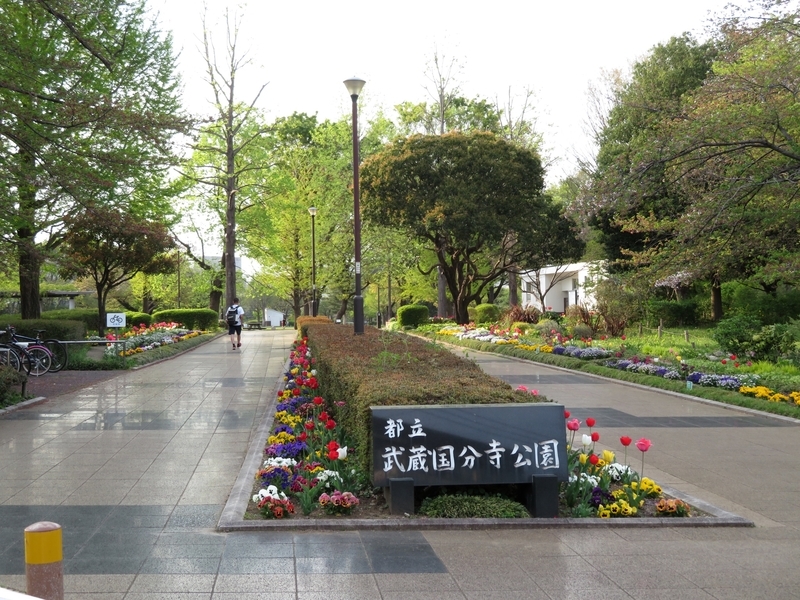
137, 470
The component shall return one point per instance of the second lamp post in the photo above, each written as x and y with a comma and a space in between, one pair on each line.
313, 212
354, 87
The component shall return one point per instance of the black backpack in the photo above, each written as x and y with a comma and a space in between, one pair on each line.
233, 312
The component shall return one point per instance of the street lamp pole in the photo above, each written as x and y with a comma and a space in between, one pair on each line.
313, 212
354, 87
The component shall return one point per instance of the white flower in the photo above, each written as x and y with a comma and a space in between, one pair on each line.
586, 440
270, 492
342, 452
313, 372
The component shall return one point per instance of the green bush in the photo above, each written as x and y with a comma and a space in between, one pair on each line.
582, 332
10, 381
779, 307
674, 314
53, 329
523, 327
463, 506
138, 318
487, 313
546, 327
190, 318
736, 333
774, 341
412, 315
89, 316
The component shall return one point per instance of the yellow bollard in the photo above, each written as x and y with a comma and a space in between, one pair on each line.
44, 567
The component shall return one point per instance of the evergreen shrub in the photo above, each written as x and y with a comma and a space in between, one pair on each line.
412, 315
487, 313
190, 318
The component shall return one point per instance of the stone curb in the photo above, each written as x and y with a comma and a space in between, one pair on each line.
232, 519
25, 404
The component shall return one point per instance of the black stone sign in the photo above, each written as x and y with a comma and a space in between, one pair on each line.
468, 444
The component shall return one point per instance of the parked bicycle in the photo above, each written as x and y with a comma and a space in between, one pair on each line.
36, 356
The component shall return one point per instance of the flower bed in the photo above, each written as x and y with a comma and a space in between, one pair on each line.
143, 338
675, 369
307, 470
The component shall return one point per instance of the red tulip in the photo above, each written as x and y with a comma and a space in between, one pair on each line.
310, 425
331, 424
333, 445
303, 436
590, 422
593, 459
724, 362
333, 454
318, 400
296, 392
573, 425
323, 416
625, 441
644, 444
566, 414
595, 436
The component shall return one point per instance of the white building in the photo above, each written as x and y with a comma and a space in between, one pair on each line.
562, 286
272, 318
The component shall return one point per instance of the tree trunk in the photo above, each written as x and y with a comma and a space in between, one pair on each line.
716, 298
342, 309
513, 291
29, 269
441, 308
215, 296
30, 261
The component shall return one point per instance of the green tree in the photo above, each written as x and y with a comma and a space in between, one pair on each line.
736, 153
89, 100
475, 199
111, 248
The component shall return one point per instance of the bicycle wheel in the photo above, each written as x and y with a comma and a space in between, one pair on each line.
9, 357
24, 359
58, 355
40, 360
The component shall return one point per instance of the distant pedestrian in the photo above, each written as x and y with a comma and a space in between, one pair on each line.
233, 316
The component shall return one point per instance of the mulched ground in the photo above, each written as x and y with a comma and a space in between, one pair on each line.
53, 385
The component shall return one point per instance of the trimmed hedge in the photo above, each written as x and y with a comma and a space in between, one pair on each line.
487, 313
190, 318
53, 329
412, 315
9, 380
382, 368
138, 318
304, 322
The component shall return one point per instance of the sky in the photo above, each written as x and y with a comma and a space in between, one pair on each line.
304, 50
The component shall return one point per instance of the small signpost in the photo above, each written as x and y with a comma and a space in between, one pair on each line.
470, 445
115, 320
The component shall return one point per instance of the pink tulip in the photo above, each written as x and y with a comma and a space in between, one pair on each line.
573, 425
644, 444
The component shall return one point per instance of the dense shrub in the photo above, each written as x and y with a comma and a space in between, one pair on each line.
10, 384
547, 327
582, 332
89, 316
138, 318
774, 341
735, 334
53, 329
674, 313
190, 318
744, 300
412, 315
463, 506
382, 368
304, 322
487, 313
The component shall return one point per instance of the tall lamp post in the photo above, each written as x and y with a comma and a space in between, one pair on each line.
313, 212
354, 87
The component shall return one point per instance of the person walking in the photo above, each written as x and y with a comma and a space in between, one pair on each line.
233, 316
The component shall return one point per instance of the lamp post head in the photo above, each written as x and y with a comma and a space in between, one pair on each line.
312, 210
354, 86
